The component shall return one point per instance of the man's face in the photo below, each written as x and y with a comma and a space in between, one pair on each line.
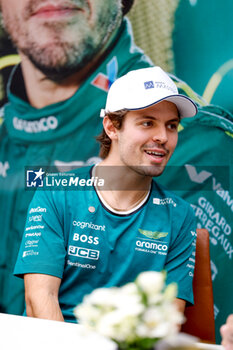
147, 138
60, 34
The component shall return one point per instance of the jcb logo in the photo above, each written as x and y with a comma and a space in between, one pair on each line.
84, 252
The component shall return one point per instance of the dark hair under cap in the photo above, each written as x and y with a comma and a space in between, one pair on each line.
126, 6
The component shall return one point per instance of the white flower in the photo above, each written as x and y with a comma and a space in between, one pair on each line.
150, 282
103, 297
144, 309
153, 299
128, 301
118, 325
155, 324
159, 332
87, 314
130, 288
172, 314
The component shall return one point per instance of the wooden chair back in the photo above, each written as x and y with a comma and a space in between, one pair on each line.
200, 316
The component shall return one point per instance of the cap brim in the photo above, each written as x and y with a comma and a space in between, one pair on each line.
186, 107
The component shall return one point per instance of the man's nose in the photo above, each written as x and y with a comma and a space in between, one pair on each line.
160, 135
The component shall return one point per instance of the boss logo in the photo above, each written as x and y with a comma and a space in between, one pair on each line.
85, 238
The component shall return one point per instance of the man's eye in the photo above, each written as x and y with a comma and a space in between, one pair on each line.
147, 123
173, 126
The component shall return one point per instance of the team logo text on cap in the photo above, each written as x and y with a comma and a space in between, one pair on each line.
163, 85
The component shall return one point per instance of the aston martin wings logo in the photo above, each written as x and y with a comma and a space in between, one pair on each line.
153, 234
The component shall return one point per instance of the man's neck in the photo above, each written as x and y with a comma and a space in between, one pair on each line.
123, 189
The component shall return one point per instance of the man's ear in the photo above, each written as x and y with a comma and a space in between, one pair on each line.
109, 128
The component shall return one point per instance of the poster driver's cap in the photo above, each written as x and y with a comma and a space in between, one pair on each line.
143, 88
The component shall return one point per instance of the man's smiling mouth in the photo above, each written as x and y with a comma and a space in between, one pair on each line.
154, 153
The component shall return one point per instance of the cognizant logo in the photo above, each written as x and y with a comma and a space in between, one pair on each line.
90, 225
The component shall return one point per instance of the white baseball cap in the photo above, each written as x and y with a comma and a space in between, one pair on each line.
142, 88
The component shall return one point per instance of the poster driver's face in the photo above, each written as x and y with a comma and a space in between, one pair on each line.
60, 35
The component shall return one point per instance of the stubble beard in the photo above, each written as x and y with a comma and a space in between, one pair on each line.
61, 58
148, 171
152, 170
143, 170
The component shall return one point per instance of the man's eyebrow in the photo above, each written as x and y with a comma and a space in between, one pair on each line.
145, 117
175, 119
